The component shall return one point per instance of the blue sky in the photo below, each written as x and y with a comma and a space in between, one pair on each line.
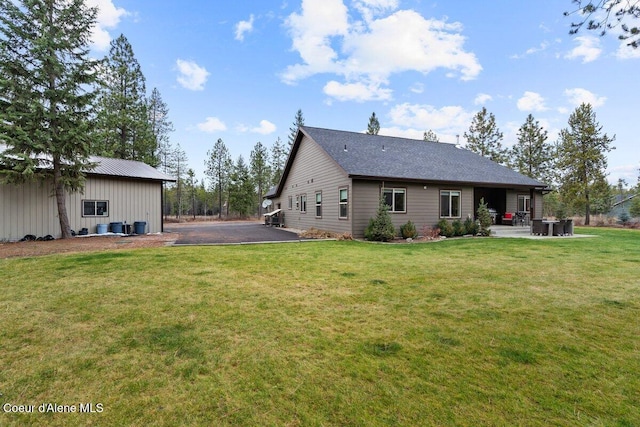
240, 70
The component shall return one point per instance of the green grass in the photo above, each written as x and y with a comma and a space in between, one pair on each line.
462, 332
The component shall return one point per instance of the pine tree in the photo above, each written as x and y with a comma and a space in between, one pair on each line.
293, 130
180, 171
374, 125
160, 124
430, 136
124, 130
581, 158
46, 94
532, 155
484, 137
260, 171
241, 190
278, 160
219, 167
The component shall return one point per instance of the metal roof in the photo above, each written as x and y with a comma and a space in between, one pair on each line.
376, 156
107, 166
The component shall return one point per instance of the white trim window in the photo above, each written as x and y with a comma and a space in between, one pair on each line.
290, 202
450, 203
396, 199
319, 204
303, 203
524, 203
343, 202
95, 208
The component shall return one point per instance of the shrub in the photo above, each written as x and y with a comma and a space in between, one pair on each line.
446, 229
458, 228
624, 217
380, 228
408, 230
484, 218
430, 233
470, 226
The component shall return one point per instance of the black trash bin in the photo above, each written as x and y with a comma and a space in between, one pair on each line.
139, 227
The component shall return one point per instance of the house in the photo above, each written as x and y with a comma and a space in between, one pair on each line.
333, 180
115, 191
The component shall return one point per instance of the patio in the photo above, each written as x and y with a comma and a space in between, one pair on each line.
524, 232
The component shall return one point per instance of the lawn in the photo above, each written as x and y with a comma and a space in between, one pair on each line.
459, 332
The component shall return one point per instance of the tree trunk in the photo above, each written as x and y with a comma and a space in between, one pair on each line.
587, 217
65, 227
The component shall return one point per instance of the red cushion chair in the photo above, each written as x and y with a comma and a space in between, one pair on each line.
508, 218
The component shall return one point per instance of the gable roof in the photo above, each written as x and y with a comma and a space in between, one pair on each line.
402, 159
106, 166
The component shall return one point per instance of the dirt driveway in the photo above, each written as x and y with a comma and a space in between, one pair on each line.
201, 233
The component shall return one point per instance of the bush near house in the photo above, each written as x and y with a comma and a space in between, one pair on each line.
380, 228
408, 230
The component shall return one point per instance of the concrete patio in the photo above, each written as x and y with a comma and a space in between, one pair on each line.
524, 232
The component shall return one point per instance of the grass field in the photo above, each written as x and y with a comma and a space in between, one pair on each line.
462, 332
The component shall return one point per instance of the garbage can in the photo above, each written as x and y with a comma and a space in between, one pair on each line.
116, 227
101, 228
139, 227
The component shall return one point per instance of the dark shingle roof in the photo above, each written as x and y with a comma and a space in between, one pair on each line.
376, 156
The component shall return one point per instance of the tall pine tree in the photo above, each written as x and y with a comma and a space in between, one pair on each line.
219, 165
278, 160
532, 155
260, 171
124, 130
46, 81
374, 125
293, 130
160, 125
485, 138
581, 159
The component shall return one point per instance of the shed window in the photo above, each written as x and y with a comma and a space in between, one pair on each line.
95, 208
395, 198
450, 204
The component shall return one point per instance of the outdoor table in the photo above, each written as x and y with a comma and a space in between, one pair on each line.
549, 224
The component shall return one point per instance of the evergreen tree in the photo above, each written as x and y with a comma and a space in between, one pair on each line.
124, 130
604, 15
374, 125
260, 171
485, 138
278, 161
46, 94
218, 170
532, 155
180, 171
581, 159
160, 124
241, 190
192, 189
430, 136
380, 228
293, 130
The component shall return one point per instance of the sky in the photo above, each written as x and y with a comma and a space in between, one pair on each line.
240, 70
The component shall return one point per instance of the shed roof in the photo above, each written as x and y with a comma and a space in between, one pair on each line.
376, 156
107, 166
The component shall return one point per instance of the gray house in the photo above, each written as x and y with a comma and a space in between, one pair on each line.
115, 191
333, 181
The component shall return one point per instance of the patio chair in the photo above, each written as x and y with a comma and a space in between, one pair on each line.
568, 227
558, 227
538, 228
508, 219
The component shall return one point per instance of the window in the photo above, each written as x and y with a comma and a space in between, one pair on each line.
449, 204
319, 205
297, 202
95, 208
290, 202
303, 203
396, 198
344, 203
524, 203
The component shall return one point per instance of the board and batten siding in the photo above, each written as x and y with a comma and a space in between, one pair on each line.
30, 208
314, 171
422, 204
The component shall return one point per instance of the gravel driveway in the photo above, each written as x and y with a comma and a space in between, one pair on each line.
225, 232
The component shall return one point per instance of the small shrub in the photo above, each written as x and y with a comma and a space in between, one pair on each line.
458, 228
624, 218
484, 218
380, 228
430, 233
445, 227
408, 230
470, 226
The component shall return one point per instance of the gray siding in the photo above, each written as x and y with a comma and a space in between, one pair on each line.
423, 204
314, 171
30, 209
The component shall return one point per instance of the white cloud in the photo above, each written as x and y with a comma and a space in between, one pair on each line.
588, 49
482, 99
265, 128
108, 18
191, 76
446, 120
328, 40
579, 96
531, 101
244, 27
417, 88
358, 92
533, 50
627, 52
211, 125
